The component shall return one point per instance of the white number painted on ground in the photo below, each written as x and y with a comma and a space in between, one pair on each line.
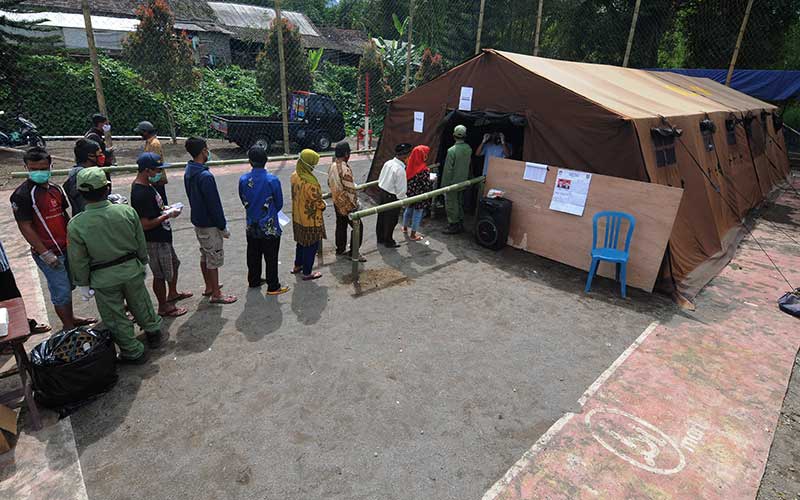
635, 440
693, 436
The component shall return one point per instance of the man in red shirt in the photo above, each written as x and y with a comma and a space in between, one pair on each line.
40, 209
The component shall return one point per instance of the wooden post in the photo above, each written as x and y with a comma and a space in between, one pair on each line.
538, 29
408, 45
282, 64
627, 56
480, 28
98, 84
738, 43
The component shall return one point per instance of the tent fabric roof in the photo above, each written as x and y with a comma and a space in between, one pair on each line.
770, 85
631, 93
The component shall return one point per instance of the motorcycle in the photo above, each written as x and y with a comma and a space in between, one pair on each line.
26, 135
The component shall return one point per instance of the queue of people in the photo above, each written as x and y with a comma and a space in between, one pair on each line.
103, 248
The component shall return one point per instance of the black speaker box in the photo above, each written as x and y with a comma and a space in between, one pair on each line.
493, 222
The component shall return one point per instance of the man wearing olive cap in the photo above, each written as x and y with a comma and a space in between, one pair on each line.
108, 253
456, 169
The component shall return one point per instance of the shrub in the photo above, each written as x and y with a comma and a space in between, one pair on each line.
298, 76
340, 83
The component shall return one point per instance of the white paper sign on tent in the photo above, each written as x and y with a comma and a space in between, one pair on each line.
570, 191
535, 172
465, 100
419, 121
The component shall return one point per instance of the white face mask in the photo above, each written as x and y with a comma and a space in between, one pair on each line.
107, 127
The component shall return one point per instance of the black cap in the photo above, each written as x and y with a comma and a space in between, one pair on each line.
403, 149
98, 118
257, 156
342, 149
144, 126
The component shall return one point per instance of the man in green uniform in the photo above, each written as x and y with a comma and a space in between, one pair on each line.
456, 169
107, 252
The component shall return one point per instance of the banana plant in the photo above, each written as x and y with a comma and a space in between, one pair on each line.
314, 59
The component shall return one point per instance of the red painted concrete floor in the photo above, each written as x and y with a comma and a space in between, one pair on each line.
691, 409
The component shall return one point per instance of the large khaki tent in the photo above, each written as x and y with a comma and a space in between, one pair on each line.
720, 145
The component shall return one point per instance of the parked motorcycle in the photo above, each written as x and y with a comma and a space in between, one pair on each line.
25, 135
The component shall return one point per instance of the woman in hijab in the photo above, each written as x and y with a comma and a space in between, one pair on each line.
418, 177
307, 207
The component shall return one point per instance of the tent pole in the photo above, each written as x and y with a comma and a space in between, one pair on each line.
538, 29
98, 84
282, 64
408, 45
480, 28
738, 43
630, 35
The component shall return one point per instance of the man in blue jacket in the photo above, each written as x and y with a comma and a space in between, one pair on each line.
261, 195
207, 217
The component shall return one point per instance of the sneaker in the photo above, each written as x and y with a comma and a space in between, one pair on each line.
452, 229
142, 359
154, 339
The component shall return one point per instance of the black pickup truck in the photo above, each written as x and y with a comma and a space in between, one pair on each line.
314, 121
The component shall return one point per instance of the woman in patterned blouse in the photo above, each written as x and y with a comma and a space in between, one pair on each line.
419, 182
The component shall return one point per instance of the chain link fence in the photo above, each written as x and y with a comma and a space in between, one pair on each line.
214, 68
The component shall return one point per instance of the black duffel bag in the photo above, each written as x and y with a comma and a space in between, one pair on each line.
790, 303
73, 367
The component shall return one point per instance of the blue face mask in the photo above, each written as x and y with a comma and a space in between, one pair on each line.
155, 178
39, 176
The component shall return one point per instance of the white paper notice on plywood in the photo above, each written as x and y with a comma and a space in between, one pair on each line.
570, 191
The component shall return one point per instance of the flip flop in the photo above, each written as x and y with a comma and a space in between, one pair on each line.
227, 299
178, 311
182, 296
38, 328
295, 270
416, 237
313, 276
85, 321
279, 291
208, 294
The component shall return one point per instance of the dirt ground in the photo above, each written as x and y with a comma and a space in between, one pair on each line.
429, 380
782, 475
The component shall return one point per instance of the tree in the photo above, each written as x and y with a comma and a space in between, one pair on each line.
13, 45
298, 76
430, 67
163, 58
379, 91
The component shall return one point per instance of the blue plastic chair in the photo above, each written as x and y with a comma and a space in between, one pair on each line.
609, 251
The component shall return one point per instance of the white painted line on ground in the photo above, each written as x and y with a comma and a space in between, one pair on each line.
616, 364
540, 444
527, 458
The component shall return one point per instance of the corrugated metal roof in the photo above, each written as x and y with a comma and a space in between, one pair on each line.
67, 20
234, 15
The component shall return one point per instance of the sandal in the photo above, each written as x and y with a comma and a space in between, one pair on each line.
38, 328
85, 321
174, 313
295, 270
279, 291
183, 296
313, 276
208, 294
405, 230
416, 237
225, 299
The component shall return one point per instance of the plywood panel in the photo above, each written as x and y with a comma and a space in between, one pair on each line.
568, 238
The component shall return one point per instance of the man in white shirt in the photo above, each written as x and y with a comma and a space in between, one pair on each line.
392, 185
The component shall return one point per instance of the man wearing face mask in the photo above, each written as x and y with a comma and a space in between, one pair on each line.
40, 209
87, 154
108, 252
100, 129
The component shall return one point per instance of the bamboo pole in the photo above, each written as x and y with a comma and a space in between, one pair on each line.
123, 169
538, 29
480, 28
408, 45
355, 216
282, 64
98, 84
738, 43
635, 19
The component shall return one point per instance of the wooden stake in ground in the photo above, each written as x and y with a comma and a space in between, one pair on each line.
282, 64
738, 43
630, 35
480, 28
98, 84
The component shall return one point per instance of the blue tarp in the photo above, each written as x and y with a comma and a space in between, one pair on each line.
767, 85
